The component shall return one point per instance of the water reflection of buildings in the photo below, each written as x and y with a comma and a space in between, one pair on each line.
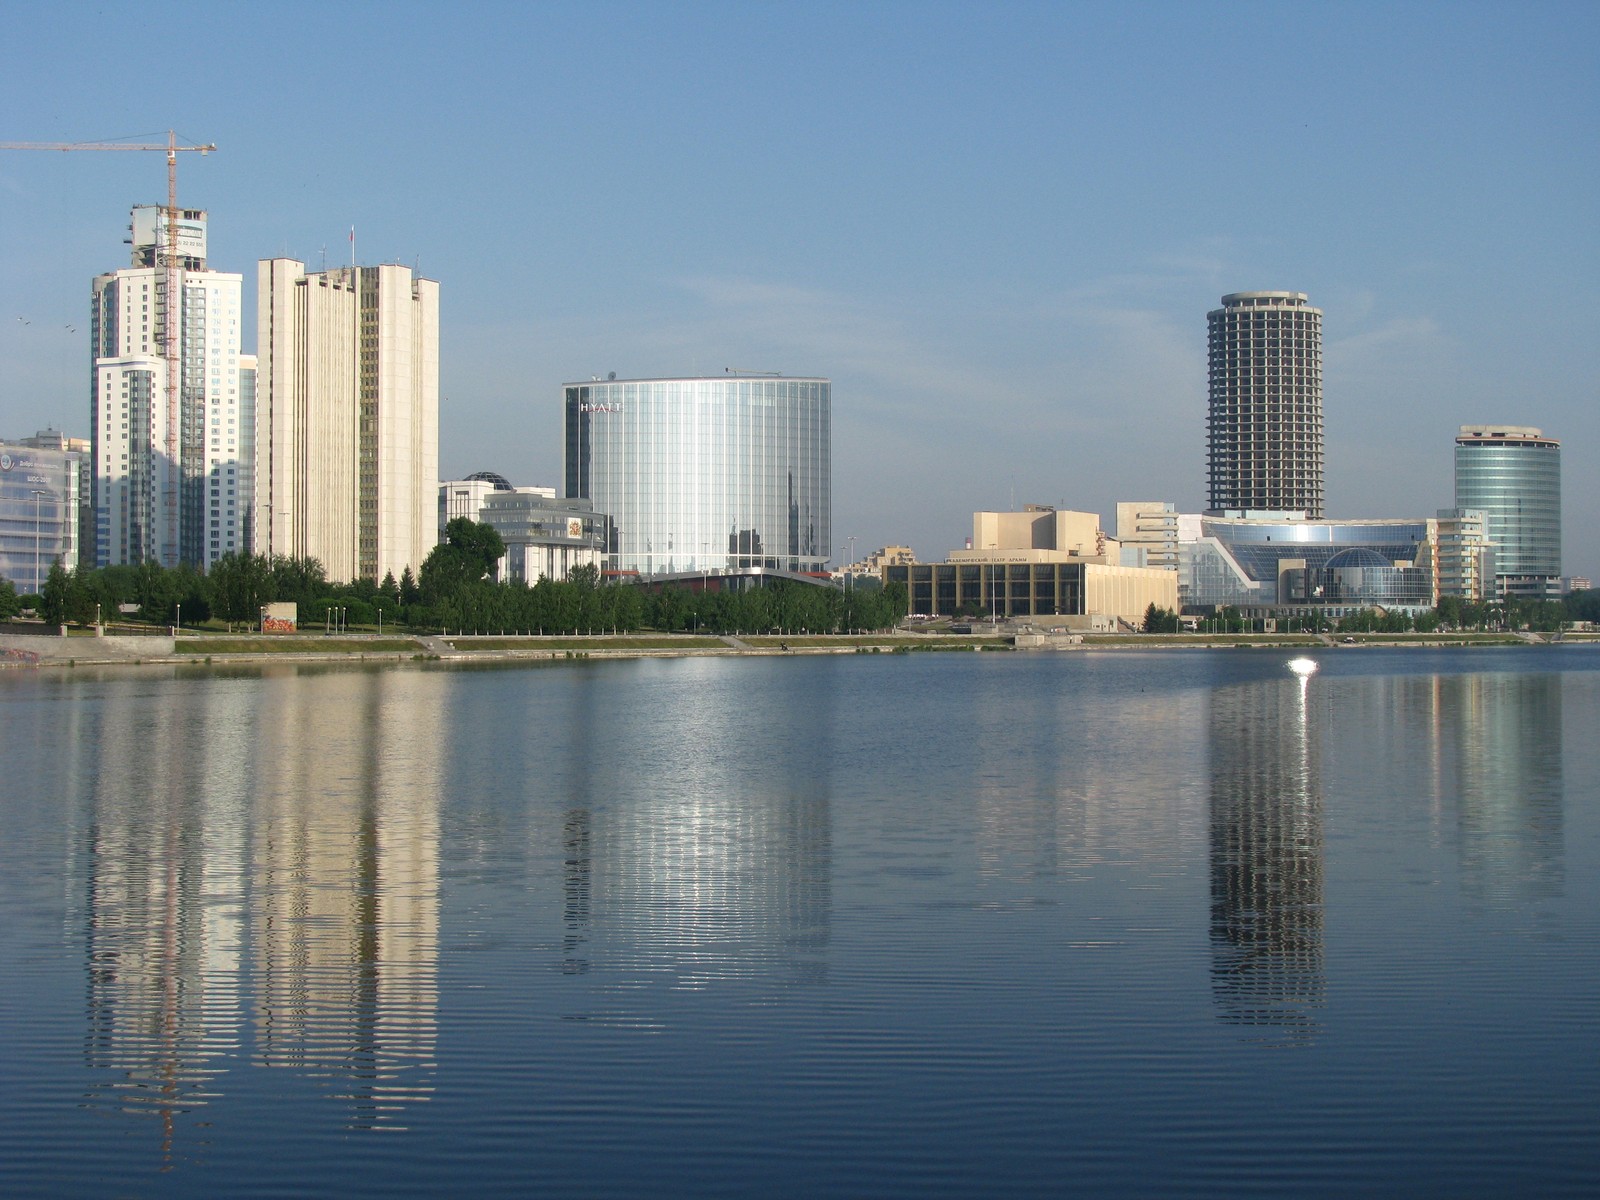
249, 855
1266, 855
345, 868
164, 902
697, 870
1043, 800
1495, 747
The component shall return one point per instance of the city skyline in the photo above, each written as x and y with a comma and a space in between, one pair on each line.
997, 233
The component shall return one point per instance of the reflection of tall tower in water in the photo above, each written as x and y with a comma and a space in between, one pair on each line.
346, 912
1508, 784
1266, 854
164, 896
237, 824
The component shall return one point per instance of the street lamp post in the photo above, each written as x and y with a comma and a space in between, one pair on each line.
38, 579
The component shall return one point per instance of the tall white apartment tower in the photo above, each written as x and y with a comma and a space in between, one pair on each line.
171, 464
1264, 427
347, 417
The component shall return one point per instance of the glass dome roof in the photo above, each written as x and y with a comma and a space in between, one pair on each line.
501, 483
1357, 556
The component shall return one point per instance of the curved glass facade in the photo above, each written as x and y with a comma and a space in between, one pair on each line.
1513, 474
1364, 578
705, 474
1277, 564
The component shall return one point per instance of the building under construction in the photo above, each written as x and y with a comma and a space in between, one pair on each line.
173, 401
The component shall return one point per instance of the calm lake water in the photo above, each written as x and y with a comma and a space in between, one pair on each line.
1167, 923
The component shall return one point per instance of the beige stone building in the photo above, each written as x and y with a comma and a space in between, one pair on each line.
347, 442
1038, 563
1148, 532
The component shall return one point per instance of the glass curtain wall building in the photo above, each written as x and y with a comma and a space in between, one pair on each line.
1267, 567
1513, 474
38, 513
707, 474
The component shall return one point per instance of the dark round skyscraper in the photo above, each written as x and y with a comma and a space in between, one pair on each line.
1264, 428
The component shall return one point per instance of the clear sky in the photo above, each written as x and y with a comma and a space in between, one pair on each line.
997, 227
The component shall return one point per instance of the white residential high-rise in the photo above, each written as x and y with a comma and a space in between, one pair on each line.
347, 428
171, 463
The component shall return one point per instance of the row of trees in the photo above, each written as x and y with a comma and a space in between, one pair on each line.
452, 590
1451, 613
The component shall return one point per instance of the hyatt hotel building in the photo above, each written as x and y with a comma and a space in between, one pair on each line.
724, 473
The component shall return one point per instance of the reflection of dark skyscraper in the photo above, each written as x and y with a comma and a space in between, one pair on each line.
1266, 855
576, 863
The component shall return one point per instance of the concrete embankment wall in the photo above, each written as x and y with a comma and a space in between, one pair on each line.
87, 649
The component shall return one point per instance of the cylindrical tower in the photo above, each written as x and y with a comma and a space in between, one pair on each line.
1512, 473
1264, 428
706, 474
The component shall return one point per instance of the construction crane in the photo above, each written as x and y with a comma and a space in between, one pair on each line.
174, 300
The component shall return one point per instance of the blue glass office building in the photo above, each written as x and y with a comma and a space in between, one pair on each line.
711, 474
38, 513
1513, 474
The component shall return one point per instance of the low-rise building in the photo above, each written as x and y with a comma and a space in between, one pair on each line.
545, 537
874, 563
54, 439
1039, 563
1273, 564
1462, 555
464, 497
38, 513
1147, 530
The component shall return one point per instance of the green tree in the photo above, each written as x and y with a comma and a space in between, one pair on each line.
467, 556
155, 591
301, 580
240, 585
55, 595
10, 605
628, 612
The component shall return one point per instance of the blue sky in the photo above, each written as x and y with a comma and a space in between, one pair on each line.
997, 228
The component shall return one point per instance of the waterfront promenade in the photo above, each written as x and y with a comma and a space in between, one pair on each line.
39, 650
